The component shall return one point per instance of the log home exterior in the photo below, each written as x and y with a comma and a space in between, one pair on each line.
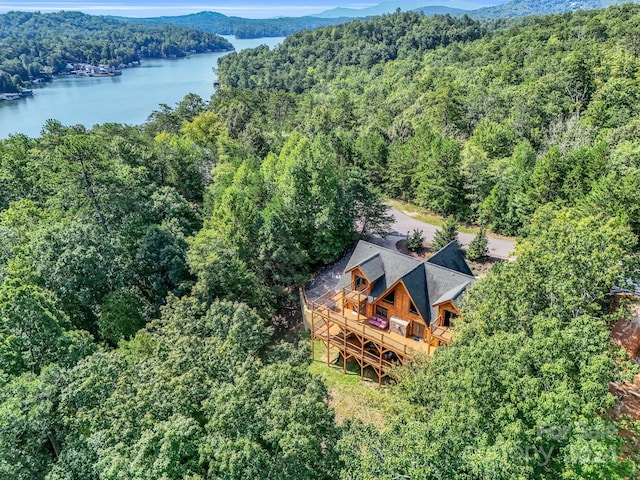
388, 306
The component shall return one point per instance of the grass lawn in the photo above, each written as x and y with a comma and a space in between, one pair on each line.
351, 397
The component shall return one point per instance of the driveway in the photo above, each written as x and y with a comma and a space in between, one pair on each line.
404, 224
329, 277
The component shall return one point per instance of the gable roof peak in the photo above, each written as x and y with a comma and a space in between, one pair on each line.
372, 267
451, 257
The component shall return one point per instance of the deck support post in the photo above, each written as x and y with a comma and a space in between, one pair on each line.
355, 328
344, 351
362, 354
313, 353
328, 348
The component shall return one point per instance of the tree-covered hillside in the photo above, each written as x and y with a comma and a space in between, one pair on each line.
522, 8
145, 269
35, 45
220, 24
528, 127
311, 58
466, 119
188, 233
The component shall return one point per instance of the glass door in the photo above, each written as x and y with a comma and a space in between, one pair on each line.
418, 330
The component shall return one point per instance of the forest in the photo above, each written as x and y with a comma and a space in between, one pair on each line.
522, 8
220, 24
504, 119
145, 270
55, 39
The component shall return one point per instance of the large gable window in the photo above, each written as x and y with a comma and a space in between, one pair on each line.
412, 308
390, 298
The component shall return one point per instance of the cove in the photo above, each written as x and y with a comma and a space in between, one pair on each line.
127, 99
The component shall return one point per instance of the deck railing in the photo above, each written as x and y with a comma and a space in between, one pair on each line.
440, 332
324, 309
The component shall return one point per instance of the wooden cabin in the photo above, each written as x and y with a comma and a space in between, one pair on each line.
389, 306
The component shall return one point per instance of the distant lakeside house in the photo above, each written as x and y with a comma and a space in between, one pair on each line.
388, 306
15, 96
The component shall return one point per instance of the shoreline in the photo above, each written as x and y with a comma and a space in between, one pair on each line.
97, 71
127, 100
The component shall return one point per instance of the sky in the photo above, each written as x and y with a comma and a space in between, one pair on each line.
154, 8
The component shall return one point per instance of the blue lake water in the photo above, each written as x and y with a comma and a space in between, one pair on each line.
128, 98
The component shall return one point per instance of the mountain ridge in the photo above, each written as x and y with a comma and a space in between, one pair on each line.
218, 23
523, 8
391, 6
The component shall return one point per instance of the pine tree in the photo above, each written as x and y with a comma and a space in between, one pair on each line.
415, 242
447, 234
479, 246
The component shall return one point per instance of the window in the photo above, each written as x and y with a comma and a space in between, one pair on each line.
412, 308
418, 330
359, 283
390, 298
448, 318
381, 312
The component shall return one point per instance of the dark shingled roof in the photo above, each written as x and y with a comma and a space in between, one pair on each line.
453, 294
372, 267
443, 282
394, 264
429, 283
450, 256
416, 283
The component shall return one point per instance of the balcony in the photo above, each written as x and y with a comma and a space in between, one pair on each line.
367, 340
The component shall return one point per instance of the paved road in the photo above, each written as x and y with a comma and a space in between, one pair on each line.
404, 224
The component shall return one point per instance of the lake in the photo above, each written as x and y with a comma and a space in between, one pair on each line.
128, 98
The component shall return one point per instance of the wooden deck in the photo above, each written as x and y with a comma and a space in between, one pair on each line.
442, 333
353, 335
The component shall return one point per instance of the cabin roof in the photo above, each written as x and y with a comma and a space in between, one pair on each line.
372, 267
416, 283
394, 265
444, 277
450, 256
452, 295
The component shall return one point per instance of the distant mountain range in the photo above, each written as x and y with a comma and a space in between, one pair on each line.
220, 24
493, 8
435, 6
275, 27
439, 10
521, 8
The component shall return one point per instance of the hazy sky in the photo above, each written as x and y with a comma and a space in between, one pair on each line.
153, 8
